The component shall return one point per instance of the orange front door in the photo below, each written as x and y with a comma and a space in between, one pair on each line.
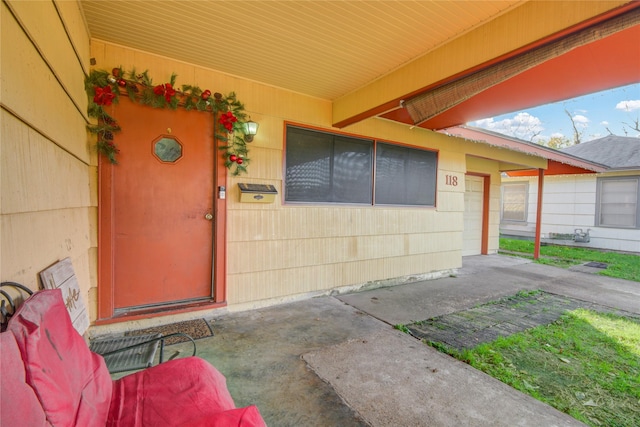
159, 249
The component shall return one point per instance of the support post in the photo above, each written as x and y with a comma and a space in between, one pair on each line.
536, 250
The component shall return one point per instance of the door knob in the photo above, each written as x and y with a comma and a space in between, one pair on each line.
208, 217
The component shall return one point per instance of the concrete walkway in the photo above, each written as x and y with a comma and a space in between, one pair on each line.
487, 278
337, 361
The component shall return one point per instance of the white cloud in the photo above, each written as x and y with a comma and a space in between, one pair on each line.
522, 125
628, 105
604, 123
581, 120
484, 123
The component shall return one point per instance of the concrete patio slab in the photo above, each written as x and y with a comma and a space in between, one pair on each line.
391, 379
260, 351
337, 361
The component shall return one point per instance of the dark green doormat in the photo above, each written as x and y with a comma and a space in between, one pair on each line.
196, 329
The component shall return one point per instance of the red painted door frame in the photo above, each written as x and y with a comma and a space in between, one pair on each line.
106, 307
486, 189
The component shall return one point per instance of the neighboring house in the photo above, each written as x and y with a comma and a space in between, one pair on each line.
367, 195
597, 210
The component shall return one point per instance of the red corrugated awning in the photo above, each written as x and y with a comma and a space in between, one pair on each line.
559, 163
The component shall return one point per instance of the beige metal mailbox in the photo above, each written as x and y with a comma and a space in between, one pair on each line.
257, 193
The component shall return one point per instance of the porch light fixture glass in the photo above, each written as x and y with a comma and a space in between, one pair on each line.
250, 130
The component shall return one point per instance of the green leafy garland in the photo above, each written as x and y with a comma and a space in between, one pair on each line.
104, 88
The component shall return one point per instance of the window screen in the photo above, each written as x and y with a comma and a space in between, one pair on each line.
618, 202
514, 202
405, 176
321, 167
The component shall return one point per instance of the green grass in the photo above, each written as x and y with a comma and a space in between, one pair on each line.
524, 294
586, 364
401, 328
622, 266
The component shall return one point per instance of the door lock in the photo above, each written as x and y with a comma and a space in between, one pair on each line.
208, 217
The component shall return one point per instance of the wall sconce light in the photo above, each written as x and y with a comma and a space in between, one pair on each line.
250, 130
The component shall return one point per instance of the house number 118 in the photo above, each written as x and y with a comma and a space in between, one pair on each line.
451, 180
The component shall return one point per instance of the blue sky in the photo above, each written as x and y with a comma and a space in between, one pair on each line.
616, 109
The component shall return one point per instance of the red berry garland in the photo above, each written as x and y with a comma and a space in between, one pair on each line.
166, 89
227, 120
103, 88
103, 95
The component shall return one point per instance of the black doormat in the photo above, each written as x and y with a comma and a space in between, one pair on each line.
596, 264
196, 329
484, 323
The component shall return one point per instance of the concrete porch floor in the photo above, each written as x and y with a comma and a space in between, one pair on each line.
337, 361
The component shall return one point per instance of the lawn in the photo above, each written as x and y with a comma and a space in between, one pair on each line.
622, 266
586, 364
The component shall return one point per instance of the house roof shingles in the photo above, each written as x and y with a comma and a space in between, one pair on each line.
616, 152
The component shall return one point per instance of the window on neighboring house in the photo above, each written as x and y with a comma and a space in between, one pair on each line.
322, 167
617, 202
514, 201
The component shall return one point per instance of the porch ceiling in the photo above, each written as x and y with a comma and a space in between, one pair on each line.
355, 53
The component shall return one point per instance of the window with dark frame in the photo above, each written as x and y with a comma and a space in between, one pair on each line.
322, 167
329, 168
405, 176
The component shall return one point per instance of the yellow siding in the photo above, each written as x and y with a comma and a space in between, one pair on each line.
48, 174
275, 251
56, 235
73, 20
47, 210
32, 92
29, 183
278, 251
52, 41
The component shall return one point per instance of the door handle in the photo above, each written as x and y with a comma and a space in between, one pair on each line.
208, 217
